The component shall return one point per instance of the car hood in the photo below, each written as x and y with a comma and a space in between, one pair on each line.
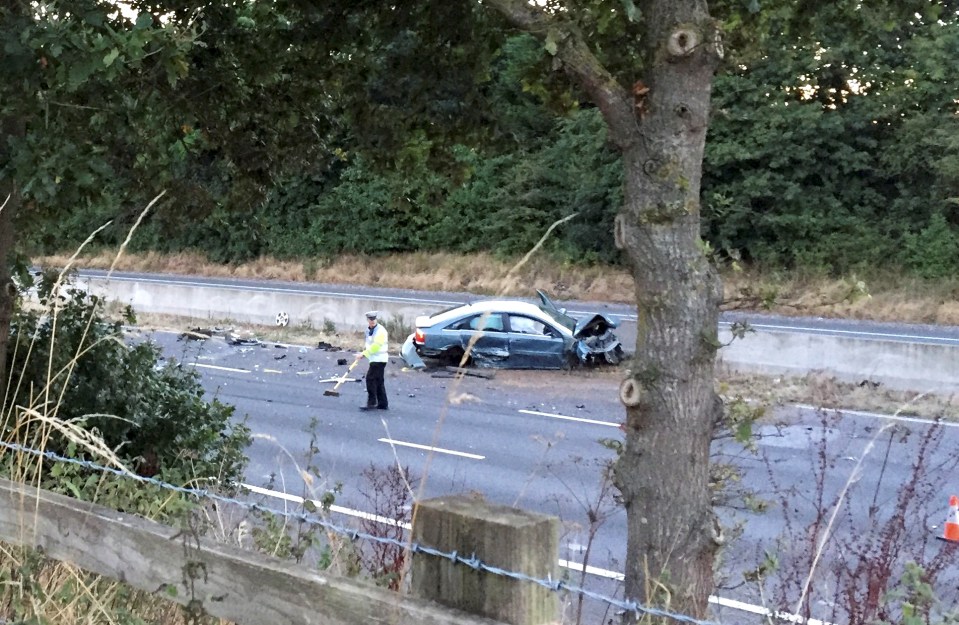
594, 325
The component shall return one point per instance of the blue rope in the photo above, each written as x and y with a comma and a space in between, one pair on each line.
473, 562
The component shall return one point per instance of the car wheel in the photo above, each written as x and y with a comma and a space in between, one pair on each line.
616, 356
456, 357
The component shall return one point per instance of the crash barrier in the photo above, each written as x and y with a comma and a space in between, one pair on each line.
448, 587
249, 303
923, 367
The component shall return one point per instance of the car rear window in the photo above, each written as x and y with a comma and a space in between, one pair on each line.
485, 322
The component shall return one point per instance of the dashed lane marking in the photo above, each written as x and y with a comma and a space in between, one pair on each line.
564, 417
438, 450
221, 368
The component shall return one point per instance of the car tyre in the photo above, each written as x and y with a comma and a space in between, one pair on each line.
616, 356
456, 356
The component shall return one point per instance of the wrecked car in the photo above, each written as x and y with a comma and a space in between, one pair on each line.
517, 335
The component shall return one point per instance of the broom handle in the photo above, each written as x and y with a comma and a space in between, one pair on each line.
343, 379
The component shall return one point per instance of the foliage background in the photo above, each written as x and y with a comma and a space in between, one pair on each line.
837, 155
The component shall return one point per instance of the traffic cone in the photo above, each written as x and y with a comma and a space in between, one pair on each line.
951, 532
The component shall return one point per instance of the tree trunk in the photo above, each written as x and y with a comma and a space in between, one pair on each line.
10, 127
671, 403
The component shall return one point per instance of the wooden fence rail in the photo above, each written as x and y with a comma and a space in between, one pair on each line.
226, 581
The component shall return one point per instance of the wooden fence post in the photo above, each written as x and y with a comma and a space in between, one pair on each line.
225, 581
506, 538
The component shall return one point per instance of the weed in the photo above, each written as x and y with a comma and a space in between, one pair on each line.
389, 495
848, 559
596, 509
398, 328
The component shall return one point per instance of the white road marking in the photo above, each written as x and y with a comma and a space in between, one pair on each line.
222, 368
559, 416
592, 570
758, 609
439, 450
831, 331
876, 415
272, 371
338, 509
864, 334
567, 564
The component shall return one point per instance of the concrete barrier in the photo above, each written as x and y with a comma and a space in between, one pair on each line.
920, 367
900, 365
259, 306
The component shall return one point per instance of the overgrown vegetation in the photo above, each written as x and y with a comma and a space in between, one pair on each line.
866, 553
79, 390
68, 362
827, 167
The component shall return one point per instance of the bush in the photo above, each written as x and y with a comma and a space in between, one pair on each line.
69, 363
934, 252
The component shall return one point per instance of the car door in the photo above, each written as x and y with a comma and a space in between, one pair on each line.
487, 334
535, 344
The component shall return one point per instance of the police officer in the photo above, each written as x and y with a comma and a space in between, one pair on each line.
376, 352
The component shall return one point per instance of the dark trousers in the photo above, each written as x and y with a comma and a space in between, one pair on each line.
376, 385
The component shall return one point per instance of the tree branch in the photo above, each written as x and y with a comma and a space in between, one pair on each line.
613, 100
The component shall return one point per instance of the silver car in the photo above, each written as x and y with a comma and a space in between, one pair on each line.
517, 335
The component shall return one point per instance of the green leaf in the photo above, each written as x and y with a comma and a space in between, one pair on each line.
144, 20
551, 43
75, 492
94, 18
744, 431
632, 13
111, 57
933, 11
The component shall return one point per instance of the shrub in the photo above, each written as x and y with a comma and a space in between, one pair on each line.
70, 363
934, 251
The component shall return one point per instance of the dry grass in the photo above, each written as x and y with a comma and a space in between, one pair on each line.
886, 298
822, 391
476, 273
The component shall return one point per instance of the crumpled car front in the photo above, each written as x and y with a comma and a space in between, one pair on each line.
596, 342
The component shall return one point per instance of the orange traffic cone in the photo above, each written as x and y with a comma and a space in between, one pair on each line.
951, 533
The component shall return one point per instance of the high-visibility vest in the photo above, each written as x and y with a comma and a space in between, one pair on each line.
376, 345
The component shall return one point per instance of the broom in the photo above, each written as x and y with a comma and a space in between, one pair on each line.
332, 392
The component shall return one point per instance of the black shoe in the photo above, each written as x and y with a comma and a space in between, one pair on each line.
365, 408
382, 407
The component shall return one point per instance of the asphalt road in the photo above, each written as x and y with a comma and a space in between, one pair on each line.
532, 439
